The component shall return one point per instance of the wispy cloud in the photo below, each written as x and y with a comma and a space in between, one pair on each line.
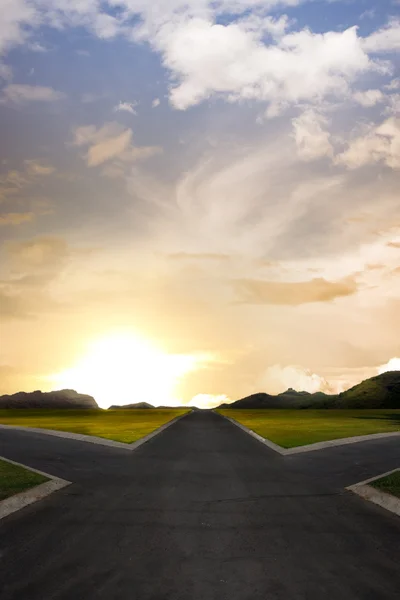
293, 293
21, 93
112, 141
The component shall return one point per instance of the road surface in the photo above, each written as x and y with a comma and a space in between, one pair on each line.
201, 512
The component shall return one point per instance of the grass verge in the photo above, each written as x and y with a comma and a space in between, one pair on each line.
389, 484
15, 479
292, 428
118, 425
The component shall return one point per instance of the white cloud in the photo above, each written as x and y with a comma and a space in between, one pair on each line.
278, 379
379, 144
386, 39
251, 57
210, 59
106, 26
20, 93
15, 16
155, 103
368, 98
312, 140
392, 365
127, 107
393, 85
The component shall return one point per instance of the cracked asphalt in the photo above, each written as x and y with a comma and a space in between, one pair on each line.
202, 511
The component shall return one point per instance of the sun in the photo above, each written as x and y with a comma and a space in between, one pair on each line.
123, 369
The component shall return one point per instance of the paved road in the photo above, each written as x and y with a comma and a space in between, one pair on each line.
201, 512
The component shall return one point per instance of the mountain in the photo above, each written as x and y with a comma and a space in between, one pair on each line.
288, 399
38, 399
382, 391
137, 405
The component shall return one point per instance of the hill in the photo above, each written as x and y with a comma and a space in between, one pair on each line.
288, 399
382, 391
57, 399
137, 405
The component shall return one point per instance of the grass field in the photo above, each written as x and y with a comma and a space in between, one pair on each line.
15, 479
389, 484
119, 425
291, 428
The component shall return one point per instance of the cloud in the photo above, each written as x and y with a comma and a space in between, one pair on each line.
156, 102
127, 107
251, 56
395, 245
182, 256
15, 16
5, 72
392, 365
212, 59
369, 97
393, 85
381, 143
107, 149
33, 265
106, 26
253, 291
278, 379
46, 252
312, 140
112, 141
36, 167
386, 39
21, 93
13, 218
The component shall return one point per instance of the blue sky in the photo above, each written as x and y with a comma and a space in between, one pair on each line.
220, 178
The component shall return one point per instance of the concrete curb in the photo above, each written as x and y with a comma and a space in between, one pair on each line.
387, 501
92, 439
311, 447
258, 437
19, 501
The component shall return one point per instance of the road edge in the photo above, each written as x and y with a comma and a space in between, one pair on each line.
92, 439
367, 492
19, 501
311, 447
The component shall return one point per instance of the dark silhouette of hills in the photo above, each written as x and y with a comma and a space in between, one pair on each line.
137, 405
382, 391
38, 399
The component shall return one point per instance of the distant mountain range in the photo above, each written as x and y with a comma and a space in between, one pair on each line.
137, 405
382, 391
38, 399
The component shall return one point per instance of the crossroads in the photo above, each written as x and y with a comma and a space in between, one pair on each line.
201, 511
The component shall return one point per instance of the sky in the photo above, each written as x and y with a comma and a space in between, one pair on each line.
198, 200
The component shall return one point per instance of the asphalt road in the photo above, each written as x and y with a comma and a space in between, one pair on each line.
201, 512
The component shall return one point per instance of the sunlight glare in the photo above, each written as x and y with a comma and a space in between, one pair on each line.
124, 369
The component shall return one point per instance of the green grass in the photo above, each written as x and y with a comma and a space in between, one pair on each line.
389, 484
118, 425
15, 479
291, 428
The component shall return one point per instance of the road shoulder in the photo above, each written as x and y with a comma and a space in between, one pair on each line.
311, 447
34, 494
372, 494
